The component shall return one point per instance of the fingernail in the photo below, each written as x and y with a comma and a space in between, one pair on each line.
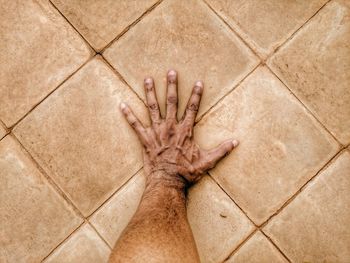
122, 106
235, 143
199, 83
148, 80
198, 87
171, 72
171, 76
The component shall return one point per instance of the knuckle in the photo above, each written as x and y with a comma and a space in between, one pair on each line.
172, 80
149, 87
172, 99
153, 106
133, 124
193, 107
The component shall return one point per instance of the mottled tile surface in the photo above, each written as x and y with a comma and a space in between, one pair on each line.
266, 24
101, 21
257, 249
218, 225
315, 226
111, 219
315, 65
83, 246
281, 145
63, 106
80, 137
186, 36
34, 217
214, 218
39, 50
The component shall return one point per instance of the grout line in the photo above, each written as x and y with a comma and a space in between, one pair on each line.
122, 79
241, 244
259, 227
303, 187
98, 233
235, 33
52, 91
233, 200
227, 93
307, 109
3, 137
50, 180
70, 203
113, 194
274, 244
263, 59
7, 131
56, 187
63, 241
295, 32
75, 29
149, 10
61, 191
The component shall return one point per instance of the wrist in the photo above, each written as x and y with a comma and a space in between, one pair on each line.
166, 180
163, 193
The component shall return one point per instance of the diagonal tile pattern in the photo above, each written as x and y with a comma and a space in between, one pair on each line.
281, 148
186, 36
111, 219
212, 215
315, 65
266, 24
218, 225
39, 50
34, 218
257, 249
85, 143
78, 138
315, 225
101, 21
83, 246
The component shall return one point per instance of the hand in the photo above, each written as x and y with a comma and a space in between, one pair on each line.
168, 143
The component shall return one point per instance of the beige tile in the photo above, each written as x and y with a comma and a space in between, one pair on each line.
314, 227
266, 24
281, 145
80, 137
111, 219
257, 249
39, 49
2, 131
212, 215
218, 225
315, 65
83, 246
101, 21
186, 36
34, 218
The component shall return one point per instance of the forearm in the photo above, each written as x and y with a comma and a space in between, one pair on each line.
159, 230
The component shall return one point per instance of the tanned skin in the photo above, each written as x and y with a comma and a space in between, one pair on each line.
159, 230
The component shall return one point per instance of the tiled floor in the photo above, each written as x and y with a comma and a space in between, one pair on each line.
277, 77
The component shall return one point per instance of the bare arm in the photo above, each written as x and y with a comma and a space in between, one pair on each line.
159, 230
